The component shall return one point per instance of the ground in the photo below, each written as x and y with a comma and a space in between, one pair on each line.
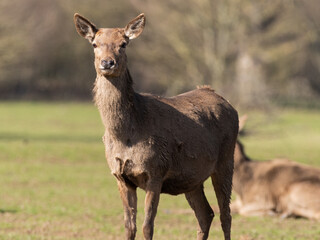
55, 182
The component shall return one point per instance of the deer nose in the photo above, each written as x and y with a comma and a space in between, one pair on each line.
107, 64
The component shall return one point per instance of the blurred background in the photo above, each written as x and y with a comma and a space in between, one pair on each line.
255, 53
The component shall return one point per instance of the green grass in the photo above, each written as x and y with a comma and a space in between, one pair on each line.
55, 182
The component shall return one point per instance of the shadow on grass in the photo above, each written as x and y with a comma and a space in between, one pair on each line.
2, 211
49, 138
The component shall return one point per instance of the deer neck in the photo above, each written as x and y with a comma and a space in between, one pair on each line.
114, 97
243, 175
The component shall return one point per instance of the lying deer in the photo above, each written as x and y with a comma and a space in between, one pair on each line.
278, 186
162, 145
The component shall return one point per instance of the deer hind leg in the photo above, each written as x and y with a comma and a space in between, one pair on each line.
129, 199
302, 200
198, 202
222, 183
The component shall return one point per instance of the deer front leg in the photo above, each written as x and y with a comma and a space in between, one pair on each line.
129, 199
150, 209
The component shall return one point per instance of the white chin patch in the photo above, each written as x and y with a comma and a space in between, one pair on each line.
107, 69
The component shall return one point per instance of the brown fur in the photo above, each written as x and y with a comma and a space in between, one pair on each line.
162, 145
278, 186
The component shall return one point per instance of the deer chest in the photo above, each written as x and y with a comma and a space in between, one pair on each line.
132, 162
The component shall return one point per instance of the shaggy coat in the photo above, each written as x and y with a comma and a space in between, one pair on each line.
162, 145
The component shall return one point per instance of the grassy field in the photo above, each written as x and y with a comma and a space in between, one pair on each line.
55, 182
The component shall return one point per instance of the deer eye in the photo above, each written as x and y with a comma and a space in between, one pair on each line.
94, 45
123, 45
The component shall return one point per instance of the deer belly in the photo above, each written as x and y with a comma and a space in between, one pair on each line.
181, 184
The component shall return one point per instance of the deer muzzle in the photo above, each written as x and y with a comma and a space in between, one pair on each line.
107, 64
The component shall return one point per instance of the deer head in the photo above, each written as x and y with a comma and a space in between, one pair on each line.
109, 43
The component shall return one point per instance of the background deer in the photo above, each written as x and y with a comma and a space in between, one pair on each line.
162, 145
278, 186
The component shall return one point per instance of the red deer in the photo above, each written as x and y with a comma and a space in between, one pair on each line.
161, 145
276, 187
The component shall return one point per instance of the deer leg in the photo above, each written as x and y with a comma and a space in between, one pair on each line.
222, 183
204, 213
256, 209
301, 200
150, 209
129, 199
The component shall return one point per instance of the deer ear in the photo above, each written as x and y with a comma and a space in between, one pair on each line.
242, 122
135, 26
84, 27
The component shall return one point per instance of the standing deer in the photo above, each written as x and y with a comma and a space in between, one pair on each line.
162, 145
278, 186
